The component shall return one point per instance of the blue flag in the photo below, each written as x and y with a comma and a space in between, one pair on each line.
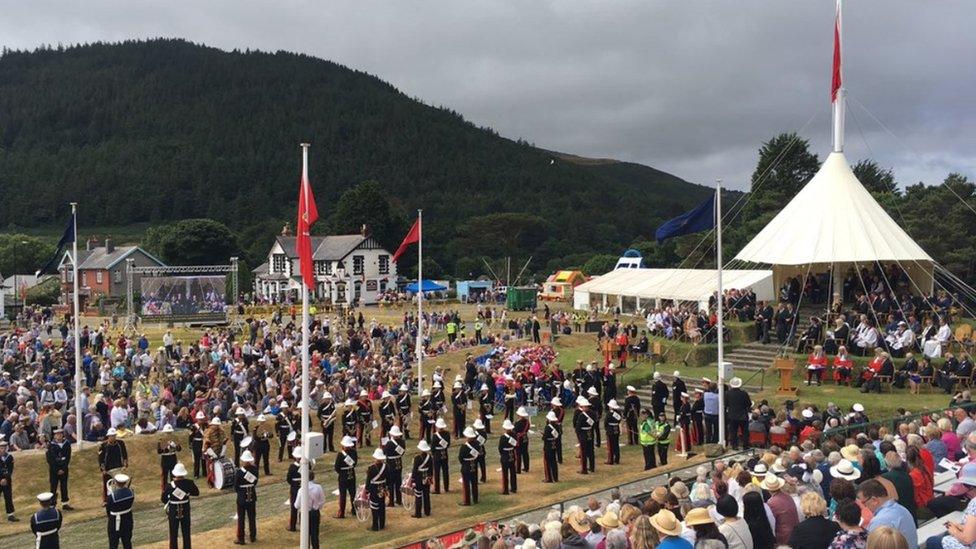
700, 219
66, 238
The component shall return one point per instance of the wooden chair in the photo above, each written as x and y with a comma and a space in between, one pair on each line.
885, 382
926, 382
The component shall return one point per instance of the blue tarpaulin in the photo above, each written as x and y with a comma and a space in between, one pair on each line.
429, 286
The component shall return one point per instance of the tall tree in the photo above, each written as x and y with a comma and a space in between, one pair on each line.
367, 204
876, 180
22, 254
192, 242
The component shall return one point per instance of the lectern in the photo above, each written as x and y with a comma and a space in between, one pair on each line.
785, 366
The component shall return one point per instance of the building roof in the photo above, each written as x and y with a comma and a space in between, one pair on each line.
832, 219
101, 258
678, 284
325, 248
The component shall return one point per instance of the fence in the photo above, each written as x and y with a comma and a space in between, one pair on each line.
892, 422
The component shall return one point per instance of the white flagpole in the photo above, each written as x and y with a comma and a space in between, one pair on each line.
839, 103
79, 434
305, 396
420, 301
718, 304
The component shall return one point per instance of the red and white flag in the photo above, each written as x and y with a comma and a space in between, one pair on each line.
413, 236
835, 81
308, 214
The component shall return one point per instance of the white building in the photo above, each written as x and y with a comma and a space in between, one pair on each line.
348, 268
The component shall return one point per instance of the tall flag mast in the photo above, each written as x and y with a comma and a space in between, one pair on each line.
415, 236
838, 93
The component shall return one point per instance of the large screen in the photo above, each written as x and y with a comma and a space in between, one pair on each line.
183, 295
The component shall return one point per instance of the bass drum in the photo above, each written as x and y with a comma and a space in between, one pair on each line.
223, 470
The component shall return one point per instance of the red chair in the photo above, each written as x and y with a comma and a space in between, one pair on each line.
757, 438
780, 439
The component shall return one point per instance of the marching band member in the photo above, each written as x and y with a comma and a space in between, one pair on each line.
58, 459
245, 484
112, 458
551, 441
388, 413
176, 498
294, 479
394, 450
239, 429
441, 442
428, 414
349, 419
522, 426
612, 423
486, 407
263, 434
376, 486
583, 422
167, 448
560, 412
214, 442
46, 523
364, 414
119, 511
422, 476
326, 413
459, 402
345, 468
284, 424
508, 448
197, 431
468, 456
479, 427
7, 480
403, 408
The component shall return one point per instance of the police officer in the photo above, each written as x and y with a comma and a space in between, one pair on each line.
648, 439
345, 468
394, 450
441, 442
663, 435
422, 476
459, 402
479, 427
468, 456
112, 455
263, 433
196, 444
7, 480
612, 422
176, 498
238, 430
167, 448
632, 407
375, 486
583, 422
478, 326
245, 484
550, 443
119, 511
508, 448
294, 479
403, 409
327, 415
285, 426
58, 459
46, 523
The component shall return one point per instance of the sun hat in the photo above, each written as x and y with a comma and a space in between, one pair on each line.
735, 382
215, 421
845, 469
698, 515
121, 478
680, 490
807, 413
660, 495
771, 483
592, 391
666, 523
850, 452
778, 466
348, 441
858, 407
580, 522
395, 431
609, 520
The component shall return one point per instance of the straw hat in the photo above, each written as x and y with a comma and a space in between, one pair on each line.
759, 469
609, 520
698, 515
680, 490
735, 382
845, 469
580, 522
771, 483
850, 452
660, 495
666, 523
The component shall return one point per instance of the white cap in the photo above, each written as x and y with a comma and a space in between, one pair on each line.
551, 416
348, 441
508, 425
395, 431
631, 389
582, 401
423, 446
469, 433
111, 432
592, 391
121, 478
215, 421
168, 428
246, 456
521, 412
179, 470
239, 412
45, 497
807, 413
657, 375
613, 404
261, 417
201, 415
478, 424
297, 452
440, 423
378, 454
556, 402
858, 407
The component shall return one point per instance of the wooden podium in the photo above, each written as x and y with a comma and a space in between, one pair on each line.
786, 366
611, 350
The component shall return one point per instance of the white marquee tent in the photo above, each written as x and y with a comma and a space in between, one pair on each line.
633, 289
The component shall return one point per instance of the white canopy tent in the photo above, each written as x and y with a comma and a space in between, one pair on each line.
833, 224
633, 289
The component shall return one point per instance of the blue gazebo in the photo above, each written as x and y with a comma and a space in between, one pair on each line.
428, 286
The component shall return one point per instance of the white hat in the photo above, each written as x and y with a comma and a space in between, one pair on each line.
404, 387
589, 367
386, 394
706, 380
631, 389
845, 469
551, 416
735, 382
246, 441
246, 456
567, 384
378, 454
215, 421
395, 431
296, 452
179, 470
239, 412
469, 433
200, 415
508, 425
423, 446
484, 386
457, 384
521, 412
677, 373
771, 483
261, 417
168, 428
45, 497
292, 436
858, 407
348, 441
685, 395
284, 405
440, 423
556, 402
362, 392
121, 478
319, 382
111, 432
349, 402
425, 393
478, 424
582, 401
778, 466
327, 394
807, 413
592, 391
437, 384
613, 404
657, 375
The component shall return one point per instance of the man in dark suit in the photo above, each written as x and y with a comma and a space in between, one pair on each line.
764, 321
739, 404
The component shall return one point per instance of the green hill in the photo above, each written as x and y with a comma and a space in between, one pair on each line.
150, 132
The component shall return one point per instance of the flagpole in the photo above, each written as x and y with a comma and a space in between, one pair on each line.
840, 93
718, 304
79, 434
305, 395
420, 301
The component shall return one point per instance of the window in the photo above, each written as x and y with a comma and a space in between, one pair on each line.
278, 263
117, 277
323, 268
357, 290
98, 277
384, 264
358, 264
84, 279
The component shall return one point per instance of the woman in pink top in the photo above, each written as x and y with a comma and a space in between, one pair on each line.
950, 438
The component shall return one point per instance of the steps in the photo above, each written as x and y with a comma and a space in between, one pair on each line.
753, 356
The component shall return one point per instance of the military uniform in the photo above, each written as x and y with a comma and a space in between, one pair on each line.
196, 446
262, 446
394, 450
422, 476
167, 459
111, 456
440, 444
487, 408
632, 405
176, 497
364, 413
583, 423
326, 413
550, 443
388, 415
522, 435
403, 407
612, 423
349, 421
238, 430
46, 525
58, 459
245, 484
459, 401
345, 468
508, 447
375, 486
294, 478
468, 456
284, 425
482, 461
7, 483
119, 511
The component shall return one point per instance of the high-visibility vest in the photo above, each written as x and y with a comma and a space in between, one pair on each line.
451, 328
648, 433
663, 432
477, 326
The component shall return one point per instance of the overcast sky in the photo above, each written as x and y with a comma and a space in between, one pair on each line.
691, 88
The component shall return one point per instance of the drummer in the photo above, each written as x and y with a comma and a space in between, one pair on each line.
167, 447
214, 441
112, 458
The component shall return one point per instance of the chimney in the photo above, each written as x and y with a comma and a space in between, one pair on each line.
364, 231
91, 244
109, 247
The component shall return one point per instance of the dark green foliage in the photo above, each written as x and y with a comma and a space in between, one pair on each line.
166, 130
876, 180
599, 264
22, 254
45, 293
366, 204
938, 218
192, 242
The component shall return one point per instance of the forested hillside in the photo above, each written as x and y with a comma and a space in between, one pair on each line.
151, 132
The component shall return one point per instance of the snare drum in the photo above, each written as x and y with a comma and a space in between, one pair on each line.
223, 470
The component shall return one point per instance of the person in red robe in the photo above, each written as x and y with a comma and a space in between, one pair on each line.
842, 366
816, 364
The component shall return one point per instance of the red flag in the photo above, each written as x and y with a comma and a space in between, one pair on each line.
835, 81
308, 214
412, 238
